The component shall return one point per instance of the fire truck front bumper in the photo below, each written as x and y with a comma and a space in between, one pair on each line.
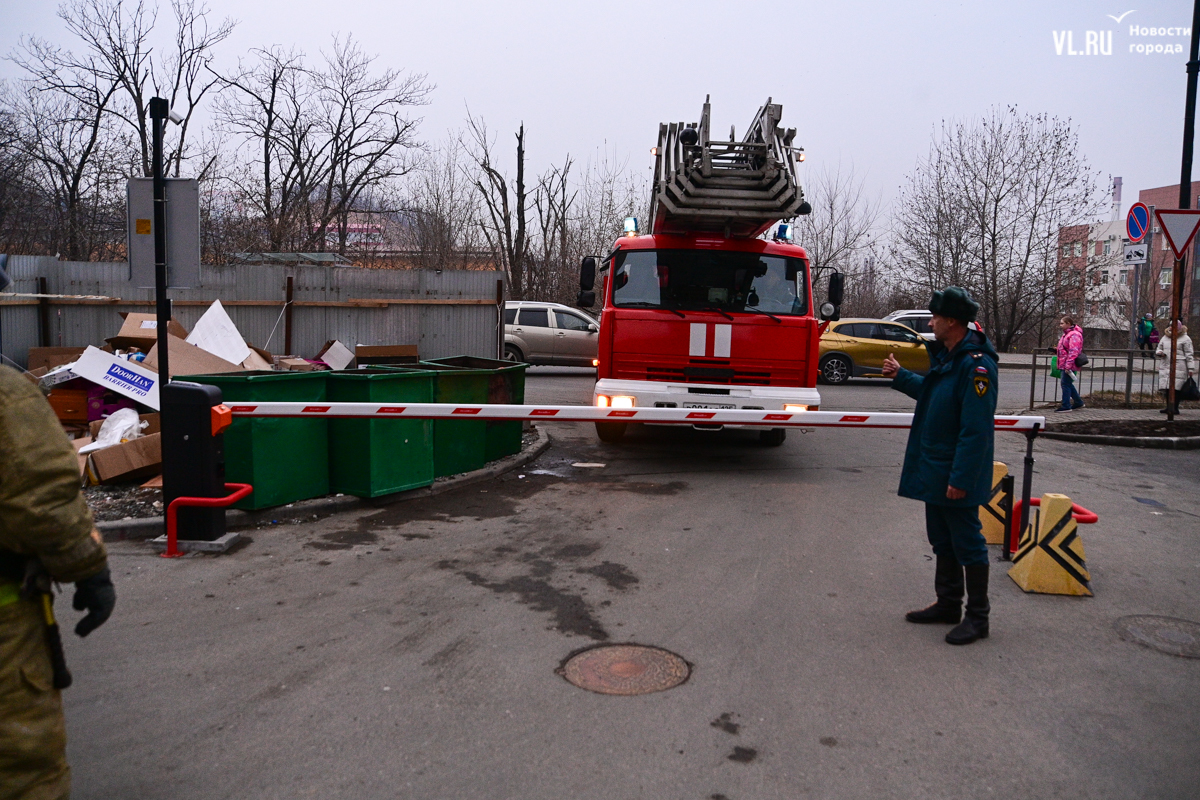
663, 394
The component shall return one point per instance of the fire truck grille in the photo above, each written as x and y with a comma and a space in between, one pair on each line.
717, 375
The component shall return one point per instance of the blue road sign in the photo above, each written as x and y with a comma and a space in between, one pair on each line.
1137, 222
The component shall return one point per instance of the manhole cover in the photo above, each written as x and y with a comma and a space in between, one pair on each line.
625, 669
1178, 637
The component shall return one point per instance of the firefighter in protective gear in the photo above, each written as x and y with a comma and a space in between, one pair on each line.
948, 462
46, 534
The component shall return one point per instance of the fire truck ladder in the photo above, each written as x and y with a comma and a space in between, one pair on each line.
738, 188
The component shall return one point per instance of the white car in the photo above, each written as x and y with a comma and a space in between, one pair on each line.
918, 320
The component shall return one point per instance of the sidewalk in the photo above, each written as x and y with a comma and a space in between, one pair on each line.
1088, 414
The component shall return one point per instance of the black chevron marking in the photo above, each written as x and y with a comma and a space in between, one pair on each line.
1064, 547
1025, 545
1048, 545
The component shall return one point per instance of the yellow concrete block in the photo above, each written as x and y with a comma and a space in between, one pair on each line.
1051, 561
991, 514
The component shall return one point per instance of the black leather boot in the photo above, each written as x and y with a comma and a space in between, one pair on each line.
948, 585
975, 623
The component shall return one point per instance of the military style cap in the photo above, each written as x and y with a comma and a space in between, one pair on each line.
954, 302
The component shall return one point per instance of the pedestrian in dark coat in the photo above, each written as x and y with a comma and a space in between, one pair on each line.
948, 462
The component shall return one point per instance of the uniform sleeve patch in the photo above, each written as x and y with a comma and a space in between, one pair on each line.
981, 385
981, 370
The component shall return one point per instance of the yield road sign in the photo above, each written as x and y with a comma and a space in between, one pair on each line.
1137, 221
1135, 254
1180, 226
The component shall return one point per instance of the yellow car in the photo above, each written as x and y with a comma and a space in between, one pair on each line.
856, 348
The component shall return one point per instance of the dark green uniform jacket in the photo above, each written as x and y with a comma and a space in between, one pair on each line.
953, 430
42, 512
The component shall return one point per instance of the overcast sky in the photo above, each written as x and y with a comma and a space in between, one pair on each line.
865, 83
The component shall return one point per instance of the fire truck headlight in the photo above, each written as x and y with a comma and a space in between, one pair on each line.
794, 407
595, 362
623, 401
601, 401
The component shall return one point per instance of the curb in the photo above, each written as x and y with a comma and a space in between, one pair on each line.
1152, 442
304, 510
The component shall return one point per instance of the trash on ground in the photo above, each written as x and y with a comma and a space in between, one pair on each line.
216, 333
336, 355
188, 359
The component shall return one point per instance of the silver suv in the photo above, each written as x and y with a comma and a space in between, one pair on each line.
549, 333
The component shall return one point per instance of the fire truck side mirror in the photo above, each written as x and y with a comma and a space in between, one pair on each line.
837, 288
585, 299
587, 274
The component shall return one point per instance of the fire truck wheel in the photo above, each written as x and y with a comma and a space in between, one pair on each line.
611, 432
513, 353
835, 370
773, 437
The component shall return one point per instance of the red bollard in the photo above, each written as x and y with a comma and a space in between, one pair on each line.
173, 551
1078, 513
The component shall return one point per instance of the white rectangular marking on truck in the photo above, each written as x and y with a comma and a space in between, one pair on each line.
721, 338
698, 339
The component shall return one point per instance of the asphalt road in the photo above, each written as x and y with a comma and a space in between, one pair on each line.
409, 651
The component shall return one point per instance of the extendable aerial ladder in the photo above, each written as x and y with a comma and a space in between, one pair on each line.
737, 188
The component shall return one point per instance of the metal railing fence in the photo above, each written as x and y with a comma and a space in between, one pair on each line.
1127, 378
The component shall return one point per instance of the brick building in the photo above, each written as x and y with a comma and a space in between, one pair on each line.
1094, 285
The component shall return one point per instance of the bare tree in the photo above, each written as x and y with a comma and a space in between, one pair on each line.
266, 111
186, 75
369, 133
505, 222
320, 139
59, 112
443, 208
547, 276
608, 192
838, 235
983, 211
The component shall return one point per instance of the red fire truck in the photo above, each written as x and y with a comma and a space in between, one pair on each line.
704, 312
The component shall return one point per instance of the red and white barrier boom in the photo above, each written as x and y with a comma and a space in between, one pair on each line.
1029, 426
661, 416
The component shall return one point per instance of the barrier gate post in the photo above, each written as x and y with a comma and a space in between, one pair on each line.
193, 455
1008, 486
1026, 485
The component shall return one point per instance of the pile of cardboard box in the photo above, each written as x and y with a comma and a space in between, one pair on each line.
85, 385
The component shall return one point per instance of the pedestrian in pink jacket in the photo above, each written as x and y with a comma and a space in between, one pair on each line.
1069, 348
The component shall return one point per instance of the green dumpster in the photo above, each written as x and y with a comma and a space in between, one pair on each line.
458, 445
373, 457
284, 459
506, 386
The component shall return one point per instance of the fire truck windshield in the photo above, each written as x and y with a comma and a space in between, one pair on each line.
718, 280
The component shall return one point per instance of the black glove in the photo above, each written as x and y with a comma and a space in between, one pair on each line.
98, 596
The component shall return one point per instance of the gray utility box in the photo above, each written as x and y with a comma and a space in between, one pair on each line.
183, 232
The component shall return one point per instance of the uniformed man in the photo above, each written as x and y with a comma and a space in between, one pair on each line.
948, 462
46, 534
